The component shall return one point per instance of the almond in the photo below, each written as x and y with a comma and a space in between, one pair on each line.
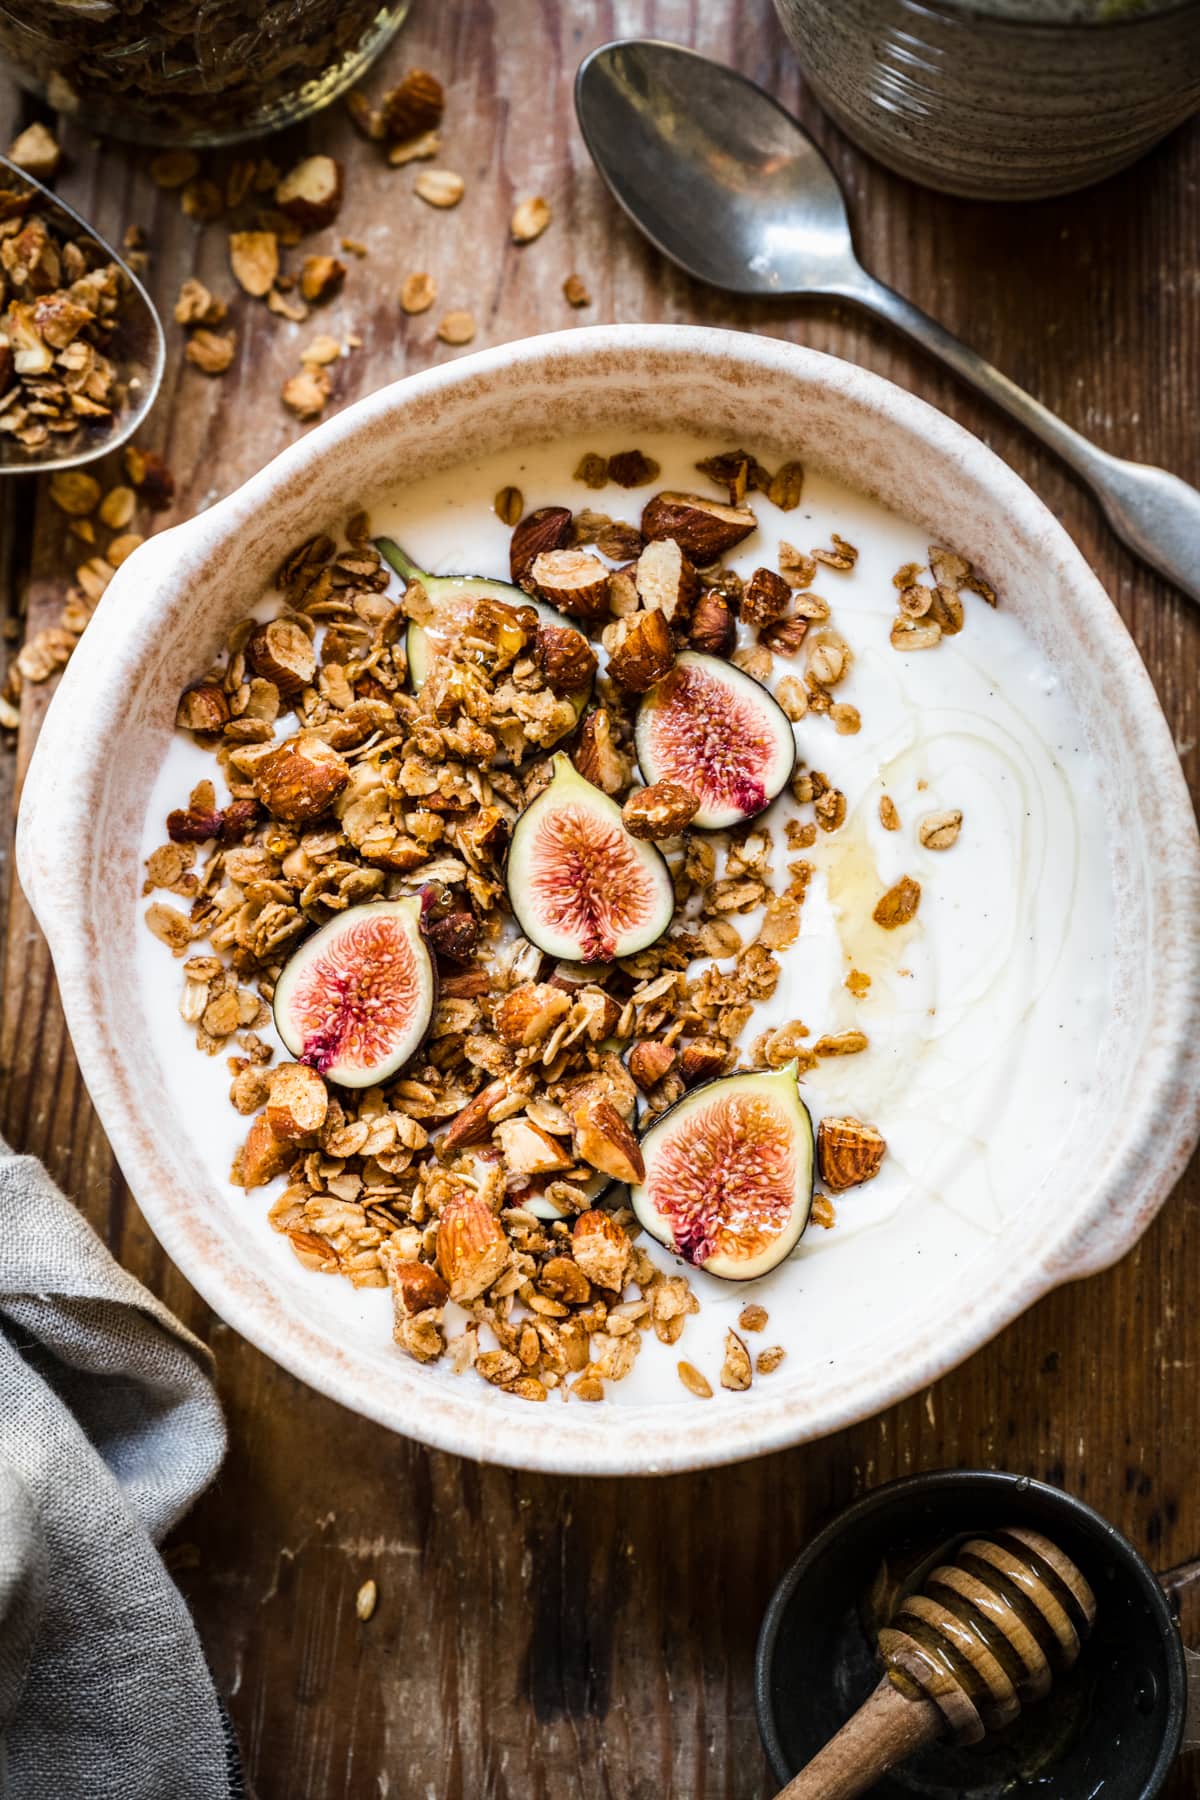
666, 579
601, 1249
300, 779
202, 707
659, 811
549, 528
573, 581
702, 1058
455, 936
848, 1152
310, 195
603, 1139
712, 629
254, 259
703, 529
649, 1061
565, 657
766, 598
472, 1125
472, 1250
528, 1150
264, 1154
785, 636
282, 651
298, 1101
643, 651
529, 1013
416, 1287
414, 107
597, 757
321, 278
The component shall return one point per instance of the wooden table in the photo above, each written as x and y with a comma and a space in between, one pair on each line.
539, 1637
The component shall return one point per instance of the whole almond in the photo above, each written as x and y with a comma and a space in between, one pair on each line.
848, 1152
548, 528
472, 1250
704, 529
300, 779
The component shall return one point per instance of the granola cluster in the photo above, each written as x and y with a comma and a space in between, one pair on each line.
473, 1177
60, 305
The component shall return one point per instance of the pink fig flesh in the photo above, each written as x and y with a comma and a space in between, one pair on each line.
711, 728
355, 1000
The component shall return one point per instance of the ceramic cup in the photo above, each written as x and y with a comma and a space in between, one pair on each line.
1112, 1727
1001, 99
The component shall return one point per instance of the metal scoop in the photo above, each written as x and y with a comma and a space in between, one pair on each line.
137, 349
729, 186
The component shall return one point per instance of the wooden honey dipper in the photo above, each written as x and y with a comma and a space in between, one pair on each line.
987, 1634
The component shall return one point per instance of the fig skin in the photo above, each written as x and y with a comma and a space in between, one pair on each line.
786, 1107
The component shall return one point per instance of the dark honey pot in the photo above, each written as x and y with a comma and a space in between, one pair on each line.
1023, 1646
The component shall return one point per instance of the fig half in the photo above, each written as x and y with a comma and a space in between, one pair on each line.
453, 598
355, 1000
729, 1174
709, 727
581, 888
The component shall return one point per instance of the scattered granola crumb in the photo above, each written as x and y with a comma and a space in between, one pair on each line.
694, 1381
321, 277
736, 1370
439, 187
254, 259
419, 149
418, 293
322, 350
75, 492
769, 1360
174, 168
530, 218
889, 818
306, 394
899, 905
575, 291
841, 1043
847, 719
753, 1318
842, 557
211, 351
858, 982
117, 507
364, 1600
823, 1212
939, 830
36, 150
508, 505
457, 328
354, 247
195, 305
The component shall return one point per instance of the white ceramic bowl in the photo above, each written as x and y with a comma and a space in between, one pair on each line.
167, 611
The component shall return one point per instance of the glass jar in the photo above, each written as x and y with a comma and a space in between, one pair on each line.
192, 72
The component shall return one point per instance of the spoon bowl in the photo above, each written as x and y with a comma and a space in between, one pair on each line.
713, 170
137, 348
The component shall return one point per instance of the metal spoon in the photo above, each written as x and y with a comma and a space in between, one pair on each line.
138, 349
731, 187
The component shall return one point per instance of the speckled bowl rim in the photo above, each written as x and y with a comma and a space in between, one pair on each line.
65, 788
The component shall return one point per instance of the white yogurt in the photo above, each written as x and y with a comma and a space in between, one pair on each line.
985, 1017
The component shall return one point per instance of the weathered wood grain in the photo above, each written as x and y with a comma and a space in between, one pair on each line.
537, 1637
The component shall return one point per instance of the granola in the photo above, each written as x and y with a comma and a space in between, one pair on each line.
475, 1182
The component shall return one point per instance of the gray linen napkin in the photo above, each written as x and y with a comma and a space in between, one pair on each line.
109, 1428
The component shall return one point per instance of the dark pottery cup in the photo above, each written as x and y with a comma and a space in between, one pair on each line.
1110, 1730
1001, 99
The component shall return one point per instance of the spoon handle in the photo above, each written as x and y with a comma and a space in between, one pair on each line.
1156, 513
